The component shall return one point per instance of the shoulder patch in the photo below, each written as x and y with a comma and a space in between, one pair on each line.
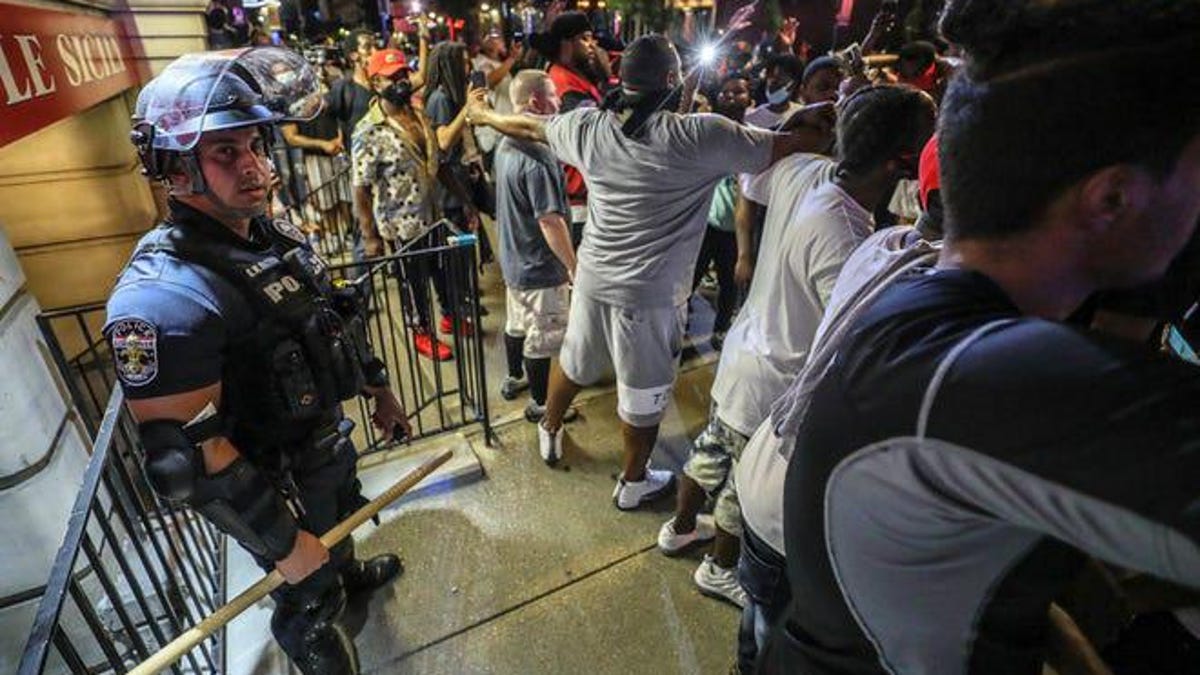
135, 350
287, 229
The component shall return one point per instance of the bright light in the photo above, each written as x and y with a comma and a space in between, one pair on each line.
485, 7
708, 55
441, 19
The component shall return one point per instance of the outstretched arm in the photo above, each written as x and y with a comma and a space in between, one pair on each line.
524, 127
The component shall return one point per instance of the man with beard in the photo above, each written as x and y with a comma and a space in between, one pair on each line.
580, 70
396, 169
235, 350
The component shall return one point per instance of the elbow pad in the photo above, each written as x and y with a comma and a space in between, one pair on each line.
243, 504
239, 500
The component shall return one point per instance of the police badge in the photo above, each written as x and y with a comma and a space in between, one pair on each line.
135, 349
289, 230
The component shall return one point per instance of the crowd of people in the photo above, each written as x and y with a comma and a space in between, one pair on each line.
954, 297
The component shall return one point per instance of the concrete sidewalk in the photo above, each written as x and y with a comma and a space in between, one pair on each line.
534, 571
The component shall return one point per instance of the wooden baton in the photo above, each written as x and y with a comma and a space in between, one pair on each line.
180, 646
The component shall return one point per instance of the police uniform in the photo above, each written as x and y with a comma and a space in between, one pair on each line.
177, 321
198, 305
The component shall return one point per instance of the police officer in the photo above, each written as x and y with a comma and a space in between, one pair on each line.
235, 349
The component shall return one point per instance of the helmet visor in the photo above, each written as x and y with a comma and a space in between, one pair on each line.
198, 93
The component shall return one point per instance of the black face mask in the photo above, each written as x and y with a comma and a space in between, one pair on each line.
398, 93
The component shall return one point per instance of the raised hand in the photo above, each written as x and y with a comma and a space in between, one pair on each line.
787, 33
742, 18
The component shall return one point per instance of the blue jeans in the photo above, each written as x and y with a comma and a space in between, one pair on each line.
763, 573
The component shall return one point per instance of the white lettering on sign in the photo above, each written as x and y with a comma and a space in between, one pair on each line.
86, 58
89, 57
13, 92
56, 64
276, 289
31, 50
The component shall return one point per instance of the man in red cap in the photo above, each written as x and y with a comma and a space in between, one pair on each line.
395, 155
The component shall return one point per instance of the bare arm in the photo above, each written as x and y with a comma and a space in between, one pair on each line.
746, 216
418, 78
293, 137
500, 72
804, 139
449, 134
366, 221
558, 238
524, 127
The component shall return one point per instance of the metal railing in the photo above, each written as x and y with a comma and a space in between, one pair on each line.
149, 569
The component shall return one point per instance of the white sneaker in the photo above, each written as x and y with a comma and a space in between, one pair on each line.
671, 542
511, 387
717, 582
550, 444
630, 495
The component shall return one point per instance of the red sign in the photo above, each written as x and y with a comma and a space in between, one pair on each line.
55, 64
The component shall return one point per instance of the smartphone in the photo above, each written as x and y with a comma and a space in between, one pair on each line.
478, 79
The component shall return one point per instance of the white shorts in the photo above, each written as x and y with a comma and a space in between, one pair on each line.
540, 316
641, 346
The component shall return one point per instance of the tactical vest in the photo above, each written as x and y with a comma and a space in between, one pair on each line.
307, 350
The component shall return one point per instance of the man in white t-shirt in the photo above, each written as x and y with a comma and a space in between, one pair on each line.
782, 81
650, 174
881, 131
495, 60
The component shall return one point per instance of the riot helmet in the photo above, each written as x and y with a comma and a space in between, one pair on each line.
211, 91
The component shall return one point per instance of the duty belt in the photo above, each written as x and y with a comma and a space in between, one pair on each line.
320, 449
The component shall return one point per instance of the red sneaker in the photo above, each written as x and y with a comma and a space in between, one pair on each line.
430, 347
465, 328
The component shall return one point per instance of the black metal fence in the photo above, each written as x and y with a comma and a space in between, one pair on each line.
148, 569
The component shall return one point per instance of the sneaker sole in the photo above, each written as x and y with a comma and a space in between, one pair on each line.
673, 553
717, 596
646, 499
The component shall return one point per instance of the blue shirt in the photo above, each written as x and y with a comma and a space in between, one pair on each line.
169, 321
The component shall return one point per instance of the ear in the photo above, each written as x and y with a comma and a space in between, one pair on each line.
1112, 194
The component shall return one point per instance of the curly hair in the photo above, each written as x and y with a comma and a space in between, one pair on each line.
1054, 90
